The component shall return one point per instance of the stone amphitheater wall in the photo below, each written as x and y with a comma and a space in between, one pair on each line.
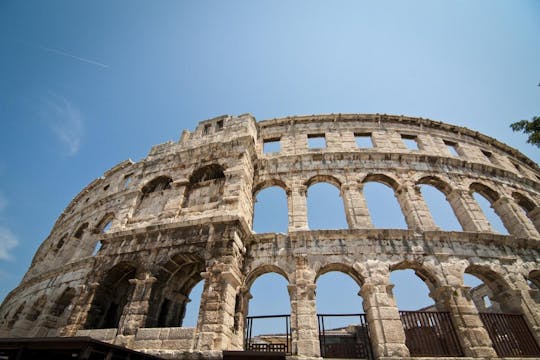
185, 214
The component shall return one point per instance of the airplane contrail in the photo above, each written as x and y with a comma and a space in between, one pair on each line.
60, 52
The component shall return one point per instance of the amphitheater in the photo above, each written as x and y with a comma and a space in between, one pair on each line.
121, 260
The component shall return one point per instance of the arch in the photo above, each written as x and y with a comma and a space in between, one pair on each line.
261, 270
105, 222
534, 278
36, 309
110, 297
437, 183
321, 178
382, 203
342, 268
442, 212
205, 186
270, 183
175, 280
16, 315
60, 243
159, 183
485, 191
524, 202
484, 292
484, 195
80, 231
383, 179
270, 210
206, 173
325, 207
63, 302
428, 276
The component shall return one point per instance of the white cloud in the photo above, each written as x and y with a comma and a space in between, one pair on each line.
8, 240
66, 121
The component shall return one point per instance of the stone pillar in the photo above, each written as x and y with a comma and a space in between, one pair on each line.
474, 339
174, 203
385, 327
468, 212
356, 208
297, 204
304, 324
415, 210
215, 326
81, 308
514, 218
136, 309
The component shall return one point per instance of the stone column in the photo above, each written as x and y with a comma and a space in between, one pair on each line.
135, 311
514, 219
215, 325
356, 208
468, 212
415, 210
297, 204
81, 308
385, 327
304, 324
474, 339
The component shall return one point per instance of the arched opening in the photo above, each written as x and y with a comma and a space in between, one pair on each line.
16, 315
343, 328
481, 294
110, 297
441, 211
60, 243
63, 302
154, 196
428, 332
268, 309
527, 206
205, 187
325, 207
80, 231
485, 197
176, 295
271, 211
383, 206
533, 280
36, 308
411, 290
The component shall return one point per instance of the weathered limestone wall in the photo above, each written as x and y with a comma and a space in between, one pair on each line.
121, 260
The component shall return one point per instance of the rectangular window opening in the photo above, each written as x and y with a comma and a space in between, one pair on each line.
410, 141
206, 129
452, 147
487, 302
488, 156
364, 141
219, 125
316, 141
271, 146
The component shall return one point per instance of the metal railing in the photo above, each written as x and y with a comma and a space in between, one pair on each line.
281, 341
349, 341
430, 333
510, 335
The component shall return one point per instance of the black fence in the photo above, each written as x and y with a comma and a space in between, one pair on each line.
510, 335
430, 333
349, 340
258, 338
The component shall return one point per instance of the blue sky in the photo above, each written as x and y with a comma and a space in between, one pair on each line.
85, 85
